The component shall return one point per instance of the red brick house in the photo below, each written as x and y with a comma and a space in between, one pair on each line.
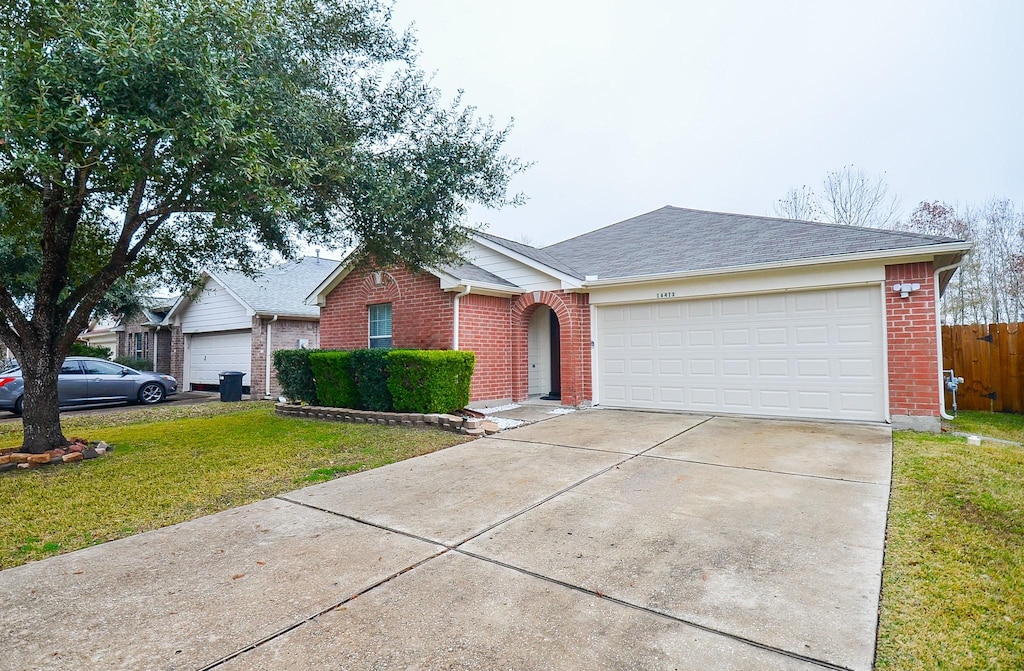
676, 310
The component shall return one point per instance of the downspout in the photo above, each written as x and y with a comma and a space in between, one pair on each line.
266, 350
455, 320
938, 338
156, 346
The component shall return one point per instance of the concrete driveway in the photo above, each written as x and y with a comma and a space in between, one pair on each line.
596, 540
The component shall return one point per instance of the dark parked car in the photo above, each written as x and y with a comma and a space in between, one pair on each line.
86, 381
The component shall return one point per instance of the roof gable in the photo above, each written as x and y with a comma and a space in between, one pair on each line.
452, 277
279, 290
537, 258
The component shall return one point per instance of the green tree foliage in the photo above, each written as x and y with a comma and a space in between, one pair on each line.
149, 139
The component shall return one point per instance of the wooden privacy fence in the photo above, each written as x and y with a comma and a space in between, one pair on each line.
990, 359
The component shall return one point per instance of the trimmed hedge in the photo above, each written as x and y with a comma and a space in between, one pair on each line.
134, 362
370, 373
295, 374
423, 381
335, 383
81, 349
429, 381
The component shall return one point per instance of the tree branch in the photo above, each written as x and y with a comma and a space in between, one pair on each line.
12, 322
80, 303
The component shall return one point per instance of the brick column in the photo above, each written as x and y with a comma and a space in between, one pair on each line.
913, 348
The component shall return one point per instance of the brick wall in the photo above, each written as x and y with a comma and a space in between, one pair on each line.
178, 355
152, 339
913, 345
421, 313
284, 334
257, 357
495, 329
485, 328
422, 317
163, 350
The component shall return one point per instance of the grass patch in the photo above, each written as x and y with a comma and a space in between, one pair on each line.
174, 464
953, 584
992, 424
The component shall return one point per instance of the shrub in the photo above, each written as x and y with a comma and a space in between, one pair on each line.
81, 349
335, 384
370, 373
134, 362
295, 375
430, 380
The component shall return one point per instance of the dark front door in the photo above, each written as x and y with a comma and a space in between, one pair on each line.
556, 358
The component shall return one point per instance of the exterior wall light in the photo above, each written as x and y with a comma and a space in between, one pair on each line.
906, 289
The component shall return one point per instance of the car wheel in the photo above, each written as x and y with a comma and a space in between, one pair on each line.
19, 405
151, 392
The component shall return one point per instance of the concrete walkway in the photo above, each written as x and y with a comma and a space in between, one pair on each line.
596, 540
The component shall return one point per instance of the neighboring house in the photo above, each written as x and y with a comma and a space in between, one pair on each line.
236, 323
101, 333
145, 336
676, 309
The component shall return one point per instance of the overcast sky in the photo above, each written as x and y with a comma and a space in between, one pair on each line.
626, 106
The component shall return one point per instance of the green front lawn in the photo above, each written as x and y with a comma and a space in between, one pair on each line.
178, 463
953, 582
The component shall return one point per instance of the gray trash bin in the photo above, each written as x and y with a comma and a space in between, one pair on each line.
231, 385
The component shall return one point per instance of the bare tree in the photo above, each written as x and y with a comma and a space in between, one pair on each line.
851, 198
965, 300
847, 196
1004, 242
799, 204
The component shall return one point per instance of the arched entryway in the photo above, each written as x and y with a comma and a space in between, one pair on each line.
568, 337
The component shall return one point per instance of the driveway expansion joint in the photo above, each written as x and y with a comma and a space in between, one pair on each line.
359, 520
763, 470
711, 630
295, 625
567, 489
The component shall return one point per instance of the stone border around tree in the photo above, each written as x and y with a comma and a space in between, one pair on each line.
468, 426
77, 450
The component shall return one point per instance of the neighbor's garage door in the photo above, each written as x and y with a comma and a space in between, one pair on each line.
212, 353
815, 354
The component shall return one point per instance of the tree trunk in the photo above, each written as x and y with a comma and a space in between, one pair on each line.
41, 412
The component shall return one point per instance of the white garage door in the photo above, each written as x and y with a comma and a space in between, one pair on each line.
815, 354
212, 353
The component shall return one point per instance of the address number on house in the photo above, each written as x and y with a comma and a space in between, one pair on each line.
665, 294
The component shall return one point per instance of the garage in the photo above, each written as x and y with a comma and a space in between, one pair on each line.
812, 354
212, 353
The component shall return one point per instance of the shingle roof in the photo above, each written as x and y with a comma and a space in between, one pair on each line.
281, 290
472, 273
674, 239
538, 255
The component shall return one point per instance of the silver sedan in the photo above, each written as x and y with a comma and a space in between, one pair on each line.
89, 381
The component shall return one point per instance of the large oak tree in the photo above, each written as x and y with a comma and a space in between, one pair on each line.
146, 139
